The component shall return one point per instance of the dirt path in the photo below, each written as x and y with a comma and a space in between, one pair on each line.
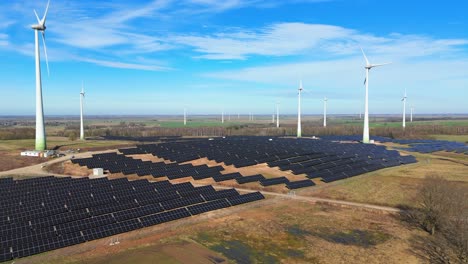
37, 170
343, 203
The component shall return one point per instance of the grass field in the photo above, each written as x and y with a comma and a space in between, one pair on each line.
379, 123
52, 142
457, 138
396, 186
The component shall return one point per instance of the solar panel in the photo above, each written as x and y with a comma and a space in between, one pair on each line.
273, 181
245, 198
252, 178
299, 184
208, 206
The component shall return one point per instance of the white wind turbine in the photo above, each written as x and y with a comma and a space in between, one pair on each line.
82, 94
368, 67
411, 115
222, 116
40, 128
185, 116
277, 114
404, 109
299, 130
325, 112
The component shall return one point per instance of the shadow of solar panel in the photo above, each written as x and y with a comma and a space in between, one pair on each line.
164, 217
299, 184
251, 178
208, 206
220, 194
245, 198
273, 181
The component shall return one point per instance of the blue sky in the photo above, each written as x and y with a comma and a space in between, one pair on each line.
157, 57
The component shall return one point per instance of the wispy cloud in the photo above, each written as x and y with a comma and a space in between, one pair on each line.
123, 65
285, 39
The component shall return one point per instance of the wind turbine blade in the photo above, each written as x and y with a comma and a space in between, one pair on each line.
381, 64
45, 13
365, 57
45, 52
38, 20
365, 80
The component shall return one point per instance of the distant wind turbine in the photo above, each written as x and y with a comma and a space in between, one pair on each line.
82, 94
185, 116
404, 109
368, 67
222, 117
277, 114
299, 130
40, 128
411, 116
325, 112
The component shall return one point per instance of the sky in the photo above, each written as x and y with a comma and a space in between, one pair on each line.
145, 57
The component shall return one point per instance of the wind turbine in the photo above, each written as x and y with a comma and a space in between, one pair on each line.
277, 114
185, 116
368, 67
222, 116
411, 116
82, 94
325, 112
299, 131
404, 109
40, 128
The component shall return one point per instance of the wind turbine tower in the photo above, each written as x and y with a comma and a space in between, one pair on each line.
185, 116
325, 112
368, 67
277, 114
411, 115
404, 109
40, 128
82, 94
222, 117
299, 131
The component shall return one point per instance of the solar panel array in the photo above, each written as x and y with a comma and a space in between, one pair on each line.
416, 145
42, 214
117, 163
323, 159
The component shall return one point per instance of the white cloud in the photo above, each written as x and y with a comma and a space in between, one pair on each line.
123, 65
285, 39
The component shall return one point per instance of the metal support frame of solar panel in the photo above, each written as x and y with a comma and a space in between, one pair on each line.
76, 226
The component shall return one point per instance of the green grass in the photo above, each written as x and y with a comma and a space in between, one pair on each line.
457, 138
21, 144
379, 123
204, 123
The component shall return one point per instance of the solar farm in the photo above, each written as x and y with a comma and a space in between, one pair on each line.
164, 180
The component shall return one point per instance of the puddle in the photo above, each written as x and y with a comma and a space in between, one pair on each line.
355, 237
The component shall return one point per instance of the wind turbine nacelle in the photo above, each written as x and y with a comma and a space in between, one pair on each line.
39, 27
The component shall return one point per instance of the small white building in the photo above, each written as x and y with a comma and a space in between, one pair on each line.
37, 153
31, 153
98, 172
